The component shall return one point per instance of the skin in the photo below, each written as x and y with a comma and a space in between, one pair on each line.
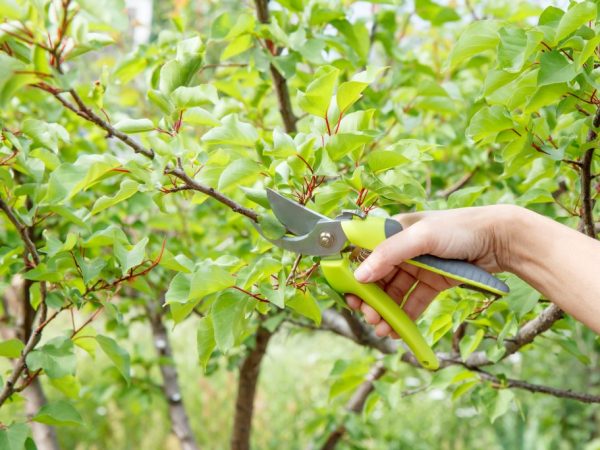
561, 263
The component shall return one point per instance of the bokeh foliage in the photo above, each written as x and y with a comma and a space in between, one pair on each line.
399, 107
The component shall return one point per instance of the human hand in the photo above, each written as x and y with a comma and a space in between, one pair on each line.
477, 235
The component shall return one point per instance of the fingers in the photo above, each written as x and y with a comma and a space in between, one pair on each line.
371, 316
413, 241
353, 301
419, 300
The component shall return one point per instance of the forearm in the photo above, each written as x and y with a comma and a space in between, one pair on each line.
561, 263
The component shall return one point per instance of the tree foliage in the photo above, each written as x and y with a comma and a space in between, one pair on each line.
131, 176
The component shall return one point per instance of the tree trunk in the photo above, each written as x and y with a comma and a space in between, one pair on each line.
180, 424
44, 435
244, 406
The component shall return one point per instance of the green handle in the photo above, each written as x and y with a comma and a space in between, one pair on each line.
370, 232
340, 276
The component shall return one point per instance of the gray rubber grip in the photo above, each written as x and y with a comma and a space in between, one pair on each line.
463, 271
473, 276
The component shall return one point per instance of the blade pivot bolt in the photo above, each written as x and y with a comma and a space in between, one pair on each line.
326, 239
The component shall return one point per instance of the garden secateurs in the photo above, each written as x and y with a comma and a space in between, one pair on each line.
318, 235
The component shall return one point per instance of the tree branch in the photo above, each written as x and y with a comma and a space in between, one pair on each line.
244, 405
191, 184
356, 403
538, 388
180, 423
35, 335
279, 82
462, 182
586, 180
23, 232
332, 320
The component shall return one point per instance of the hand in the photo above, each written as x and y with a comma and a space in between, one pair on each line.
476, 235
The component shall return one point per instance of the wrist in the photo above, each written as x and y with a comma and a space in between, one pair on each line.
511, 231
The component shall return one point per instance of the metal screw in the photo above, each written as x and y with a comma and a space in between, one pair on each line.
326, 239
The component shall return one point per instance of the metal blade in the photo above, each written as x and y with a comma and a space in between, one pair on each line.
311, 243
298, 219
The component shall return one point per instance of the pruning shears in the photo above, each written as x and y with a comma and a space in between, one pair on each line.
318, 235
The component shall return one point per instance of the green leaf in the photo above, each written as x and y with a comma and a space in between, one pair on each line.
478, 37
56, 358
186, 97
555, 68
14, 437
283, 144
58, 413
181, 70
588, 50
117, 355
129, 258
317, 96
127, 189
228, 319
239, 45
504, 399
70, 179
380, 160
261, 270
90, 269
434, 13
199, 116
271, 227
238, 172
44, 134
208, 279
488, 122
11, 348
511, 49
54, 246
522, 298
578, 15
305, 304
348, 93
179, 289
205, 339
469, 343
134, 125
232, 132
68, 385
465, 197
342, 144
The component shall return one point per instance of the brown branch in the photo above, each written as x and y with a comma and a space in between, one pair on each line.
194, 185
112, 131
32, 337
180, 423
244, 405
462, 182
279, 82
586, 180
333, 321
23, 231
583, 397
86, 113
356, 403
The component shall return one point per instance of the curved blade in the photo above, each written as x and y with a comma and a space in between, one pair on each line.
296, 218
309, 243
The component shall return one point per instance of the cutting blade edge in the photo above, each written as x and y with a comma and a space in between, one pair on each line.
296, 218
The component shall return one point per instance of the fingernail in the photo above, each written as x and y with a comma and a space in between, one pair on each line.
363, 273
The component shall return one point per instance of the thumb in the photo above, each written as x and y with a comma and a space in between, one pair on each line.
412, 241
